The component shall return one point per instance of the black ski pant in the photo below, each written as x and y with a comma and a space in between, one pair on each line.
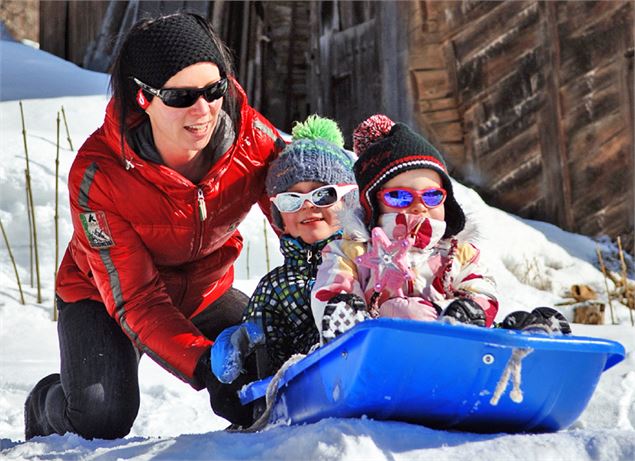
96, 393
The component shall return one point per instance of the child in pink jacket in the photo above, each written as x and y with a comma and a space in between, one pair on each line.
400, 255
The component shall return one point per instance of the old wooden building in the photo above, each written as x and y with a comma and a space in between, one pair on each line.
531, 101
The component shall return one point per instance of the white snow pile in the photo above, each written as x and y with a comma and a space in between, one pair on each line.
534, 263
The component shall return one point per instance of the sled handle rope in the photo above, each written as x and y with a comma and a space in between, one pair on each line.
271, 395
513, 370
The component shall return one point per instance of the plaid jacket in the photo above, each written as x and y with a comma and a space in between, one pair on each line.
281, 302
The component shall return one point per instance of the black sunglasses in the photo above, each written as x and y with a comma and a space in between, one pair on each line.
185, 97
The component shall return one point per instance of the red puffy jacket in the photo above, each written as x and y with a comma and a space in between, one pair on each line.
140, 244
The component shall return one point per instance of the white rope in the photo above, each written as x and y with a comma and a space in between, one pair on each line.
271, 394
512, 369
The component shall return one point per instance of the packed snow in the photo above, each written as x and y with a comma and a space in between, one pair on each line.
534, 264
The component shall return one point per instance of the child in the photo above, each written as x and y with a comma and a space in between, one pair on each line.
412, 266
306, 183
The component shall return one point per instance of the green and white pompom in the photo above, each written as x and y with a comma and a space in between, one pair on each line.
316, 127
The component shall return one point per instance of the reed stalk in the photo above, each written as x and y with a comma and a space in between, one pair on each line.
625, 280
68, 134
56, 218
30, 196
15, 268
28, 213
606, 281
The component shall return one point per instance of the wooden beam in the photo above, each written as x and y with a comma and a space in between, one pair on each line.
552, 136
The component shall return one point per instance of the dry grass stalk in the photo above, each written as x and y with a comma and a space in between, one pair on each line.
28, 213
68, 134
30, 197
15, 268
606, 282
627, 296
57, 234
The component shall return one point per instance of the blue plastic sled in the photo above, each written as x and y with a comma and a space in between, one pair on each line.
442, 376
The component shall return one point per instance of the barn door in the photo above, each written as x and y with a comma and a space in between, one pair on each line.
355, 75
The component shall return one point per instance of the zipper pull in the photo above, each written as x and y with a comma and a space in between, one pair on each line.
309, 256
202, 209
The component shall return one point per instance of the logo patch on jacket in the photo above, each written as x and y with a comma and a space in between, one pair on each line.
96, 229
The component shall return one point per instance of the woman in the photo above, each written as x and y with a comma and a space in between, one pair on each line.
156, 195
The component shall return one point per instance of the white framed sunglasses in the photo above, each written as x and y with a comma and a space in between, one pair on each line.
324, 196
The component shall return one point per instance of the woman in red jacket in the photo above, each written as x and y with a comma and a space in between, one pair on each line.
156, 194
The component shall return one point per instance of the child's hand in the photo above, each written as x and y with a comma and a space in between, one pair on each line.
231, 347
342, 313
413, 308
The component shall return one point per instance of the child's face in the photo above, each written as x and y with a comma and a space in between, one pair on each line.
419, 179
311, 223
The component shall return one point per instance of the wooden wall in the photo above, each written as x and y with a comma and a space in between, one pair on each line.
358, 62
533, 102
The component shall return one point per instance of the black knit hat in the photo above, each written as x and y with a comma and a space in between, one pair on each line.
386, 149
168, 44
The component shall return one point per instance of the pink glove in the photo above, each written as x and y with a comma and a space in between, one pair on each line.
413, 308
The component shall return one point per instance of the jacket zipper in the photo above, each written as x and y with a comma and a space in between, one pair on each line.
202, 209
202, 216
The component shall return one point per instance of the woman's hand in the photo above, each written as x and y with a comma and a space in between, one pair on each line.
231, 348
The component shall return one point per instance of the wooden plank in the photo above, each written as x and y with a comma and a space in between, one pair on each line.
448, 132
497, 164
500, 25
577, 90
83, 27
591, 124
505, 114
452, 15
574, 17
431, 105
553, 144
454, 153
53, 29
430, 56
611, 170
353, 69
518, 55
431, 84
450, 115
519, 186
596, 45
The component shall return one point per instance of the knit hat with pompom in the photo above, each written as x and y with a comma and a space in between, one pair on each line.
316, 153
386, 149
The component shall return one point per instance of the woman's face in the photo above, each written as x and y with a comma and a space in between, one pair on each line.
311, 223
180, 133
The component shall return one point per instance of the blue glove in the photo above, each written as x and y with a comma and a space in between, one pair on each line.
231, 347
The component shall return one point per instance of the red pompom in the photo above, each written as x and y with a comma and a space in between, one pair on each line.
369, 131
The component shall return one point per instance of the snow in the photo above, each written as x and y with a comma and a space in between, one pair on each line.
534, 264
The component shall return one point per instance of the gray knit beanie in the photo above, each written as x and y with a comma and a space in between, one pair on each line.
316, 153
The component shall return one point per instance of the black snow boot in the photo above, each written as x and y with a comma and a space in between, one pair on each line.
464, 310
540, 320
557, 322
35, 423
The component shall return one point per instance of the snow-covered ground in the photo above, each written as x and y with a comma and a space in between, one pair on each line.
533, 262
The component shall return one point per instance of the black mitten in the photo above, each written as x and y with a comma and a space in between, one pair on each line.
464, 310
224, 397
342, 313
